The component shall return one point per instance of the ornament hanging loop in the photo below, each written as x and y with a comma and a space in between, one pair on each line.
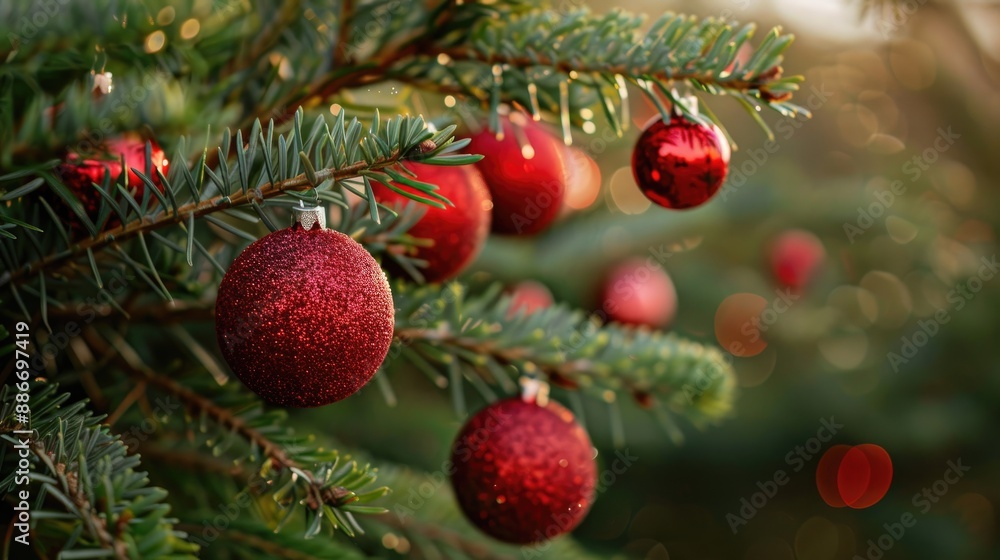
308, 216
534, 390
689, 100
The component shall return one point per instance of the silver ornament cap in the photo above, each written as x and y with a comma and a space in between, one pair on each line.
309, 216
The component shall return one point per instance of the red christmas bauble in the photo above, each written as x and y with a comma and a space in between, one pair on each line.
80, 170
636, 293
523, 473
526, 172
304, 317
796, 256
679, 165
458, 232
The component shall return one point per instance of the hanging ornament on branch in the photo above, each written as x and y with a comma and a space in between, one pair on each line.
82, 168
456, 233
680, 164
304, 316
524, 470
525, 168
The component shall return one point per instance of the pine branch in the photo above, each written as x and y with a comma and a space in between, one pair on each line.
343, 151
442, 325
437, 530
560, 62
82, 476
331, 489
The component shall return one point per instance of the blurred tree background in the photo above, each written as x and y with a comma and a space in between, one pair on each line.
887, 344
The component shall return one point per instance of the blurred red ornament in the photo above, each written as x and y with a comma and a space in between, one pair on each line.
525, 169
304, 317
679, 165
854, 476
796, 256
80, 170
524, 473
458, 232
527, 297
636, 293
737, 324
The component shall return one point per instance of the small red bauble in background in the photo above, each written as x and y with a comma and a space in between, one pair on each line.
80, 170
304, 316
524, 473
526, 172
458, 232
636, 293
528, 297
681, 164
796, 256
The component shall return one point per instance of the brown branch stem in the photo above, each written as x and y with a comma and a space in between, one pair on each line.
129, 360
463, 53
201, 208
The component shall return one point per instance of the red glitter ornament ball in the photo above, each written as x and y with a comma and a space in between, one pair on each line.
80, 170
796, 257
526, 171
304, 317
636, 293
679, 165
524, 473
458, 232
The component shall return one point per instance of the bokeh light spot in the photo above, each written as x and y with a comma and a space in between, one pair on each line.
737, 324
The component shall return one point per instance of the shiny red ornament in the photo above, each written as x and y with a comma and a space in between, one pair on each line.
796, 257
526, 171
304, 317
524, 473
636, 293
80, 170
458, 232
681, 164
